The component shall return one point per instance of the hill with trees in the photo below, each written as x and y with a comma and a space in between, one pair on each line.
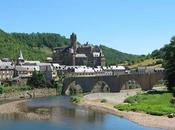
35, 46
38, 46
113, 56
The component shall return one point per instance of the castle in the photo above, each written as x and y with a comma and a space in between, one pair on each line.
77, 54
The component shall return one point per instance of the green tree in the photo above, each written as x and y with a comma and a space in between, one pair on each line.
169, 64
37, 80
155, 54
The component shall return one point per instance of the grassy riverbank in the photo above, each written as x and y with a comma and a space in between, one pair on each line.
76, 98
96, 101
14, 88
154, 103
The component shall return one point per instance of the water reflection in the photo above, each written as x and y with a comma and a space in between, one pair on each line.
63, 115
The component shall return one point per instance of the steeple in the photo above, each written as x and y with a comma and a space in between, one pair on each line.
20, 58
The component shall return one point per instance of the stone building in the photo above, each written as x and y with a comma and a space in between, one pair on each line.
77, 54
6, 71
24, 69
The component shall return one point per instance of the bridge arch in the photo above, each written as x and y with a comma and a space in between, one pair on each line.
100, 86
130, 84
73, 88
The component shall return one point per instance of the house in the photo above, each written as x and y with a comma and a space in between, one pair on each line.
6, 70
25, 71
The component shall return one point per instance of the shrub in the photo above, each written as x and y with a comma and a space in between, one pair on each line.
75, 99
156, 113
1, 89
103, 101
173, 91
159, 62
58, 87
38, 80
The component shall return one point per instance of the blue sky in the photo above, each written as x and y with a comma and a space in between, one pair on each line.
132, 26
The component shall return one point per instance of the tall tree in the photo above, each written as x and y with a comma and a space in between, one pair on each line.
169, 64
38, 80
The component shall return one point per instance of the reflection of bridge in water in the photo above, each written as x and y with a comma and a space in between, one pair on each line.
110, 83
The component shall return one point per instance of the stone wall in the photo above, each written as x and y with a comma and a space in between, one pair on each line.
28, 94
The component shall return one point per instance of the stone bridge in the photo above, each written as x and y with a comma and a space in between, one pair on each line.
109, 83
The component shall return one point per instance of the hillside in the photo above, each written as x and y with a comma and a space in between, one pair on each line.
147, 62
37, 46
116, 57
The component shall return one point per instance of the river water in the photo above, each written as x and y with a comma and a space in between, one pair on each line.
67, 116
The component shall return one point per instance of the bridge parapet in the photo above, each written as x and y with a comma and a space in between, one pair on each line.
108, 73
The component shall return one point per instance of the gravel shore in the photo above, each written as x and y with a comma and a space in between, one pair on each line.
13, 110
93, 101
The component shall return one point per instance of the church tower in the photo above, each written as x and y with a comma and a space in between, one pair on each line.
20, 58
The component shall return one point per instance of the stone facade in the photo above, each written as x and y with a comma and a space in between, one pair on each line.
6, 71
76, 54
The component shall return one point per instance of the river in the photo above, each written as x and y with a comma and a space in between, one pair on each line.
65, 115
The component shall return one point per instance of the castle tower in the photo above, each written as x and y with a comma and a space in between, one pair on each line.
73, 41
102, 58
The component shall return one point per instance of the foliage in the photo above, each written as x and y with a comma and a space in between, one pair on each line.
158, 53
76, 98
113, 56
157, 103
103, 101
13, 88
147, 62
37, 80
58, 87
1, 89
169, 64
160, 61
35, 46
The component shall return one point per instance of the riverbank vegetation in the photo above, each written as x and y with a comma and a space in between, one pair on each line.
37, 81
14, 88
154, 103
169, 65
76, 98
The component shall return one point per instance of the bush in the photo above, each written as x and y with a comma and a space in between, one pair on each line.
1, 89
103, 101
159, 62
9, 89
23, 88
173, 91
75, 99
156, 113
58, 87
38, 80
